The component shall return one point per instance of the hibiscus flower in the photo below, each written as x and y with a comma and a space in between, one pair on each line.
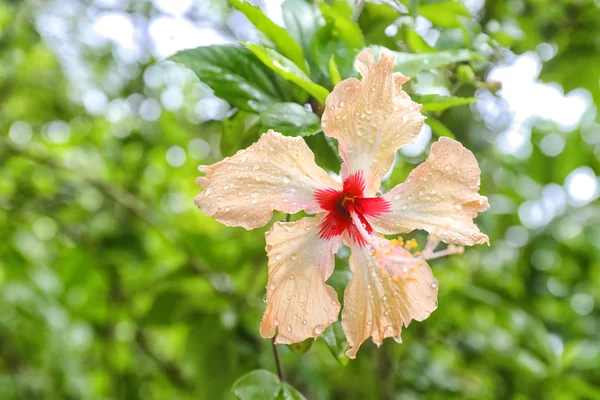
371, 119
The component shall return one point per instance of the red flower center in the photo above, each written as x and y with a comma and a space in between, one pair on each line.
340, 204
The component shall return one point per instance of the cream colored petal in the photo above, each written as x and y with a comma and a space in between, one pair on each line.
275, 173
371, 118
389, 288
299, 302
439, 196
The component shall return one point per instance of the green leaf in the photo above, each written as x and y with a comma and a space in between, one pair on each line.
417, 43
301, 21
439, 129
326, 153
239, 132
345, 28
264, 385
336, 342
251, 88
302, 347
334, 72
374, 19
290, 119
445, 14
411, 64
257, 385
282, 40
290, 393
288, 70
436, 102
326, 45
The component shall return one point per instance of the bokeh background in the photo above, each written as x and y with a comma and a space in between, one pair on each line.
113, 286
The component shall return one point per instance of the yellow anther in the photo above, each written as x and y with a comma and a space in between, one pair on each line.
411, 244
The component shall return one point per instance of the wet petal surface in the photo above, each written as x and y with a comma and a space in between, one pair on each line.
389, 289
440, 196
275, 173
299, 302
371, 118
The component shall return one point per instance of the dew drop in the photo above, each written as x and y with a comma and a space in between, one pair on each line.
342, 103
397, 339
318, 329
208, 191
278, 257
286, 180
276, 322
458, 206
304, 322
256, 165
435, 284
254, 195
289, 327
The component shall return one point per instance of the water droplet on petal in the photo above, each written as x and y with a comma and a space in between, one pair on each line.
256, 165
317, 330
289, 328
435, 284
208, 191
458, 206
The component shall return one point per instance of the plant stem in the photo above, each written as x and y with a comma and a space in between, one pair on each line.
277, 362
275, 351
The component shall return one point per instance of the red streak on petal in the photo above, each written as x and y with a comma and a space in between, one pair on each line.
327, 198
372, 206
340, 204
354, 185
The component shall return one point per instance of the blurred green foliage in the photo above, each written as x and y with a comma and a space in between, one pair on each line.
112, 286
